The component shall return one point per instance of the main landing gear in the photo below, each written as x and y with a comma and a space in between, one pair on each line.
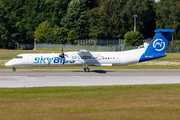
86, 69
14, 69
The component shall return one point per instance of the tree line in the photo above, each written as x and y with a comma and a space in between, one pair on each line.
63, 21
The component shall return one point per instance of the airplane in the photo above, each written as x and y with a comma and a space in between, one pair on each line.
154, 50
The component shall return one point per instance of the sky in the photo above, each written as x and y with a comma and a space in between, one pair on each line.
157, 0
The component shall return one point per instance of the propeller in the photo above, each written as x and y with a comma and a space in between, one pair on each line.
62, 56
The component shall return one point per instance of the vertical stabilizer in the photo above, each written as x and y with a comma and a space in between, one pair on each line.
158, 45
160, 41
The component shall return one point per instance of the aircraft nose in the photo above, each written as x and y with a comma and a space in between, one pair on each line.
9, 63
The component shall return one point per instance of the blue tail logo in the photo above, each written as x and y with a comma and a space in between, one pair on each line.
159, 45
160, 41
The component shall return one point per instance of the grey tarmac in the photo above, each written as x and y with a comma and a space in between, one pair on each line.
41, 78
79, 72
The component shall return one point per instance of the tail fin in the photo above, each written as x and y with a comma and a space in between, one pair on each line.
158, 45
160, 41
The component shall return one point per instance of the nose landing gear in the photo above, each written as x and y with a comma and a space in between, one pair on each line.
14, 69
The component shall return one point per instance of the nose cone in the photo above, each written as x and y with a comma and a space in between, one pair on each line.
9, 63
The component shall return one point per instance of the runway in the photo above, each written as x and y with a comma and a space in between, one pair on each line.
41, 78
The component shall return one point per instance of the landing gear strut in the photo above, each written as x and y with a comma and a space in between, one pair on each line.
86, 69
14, 69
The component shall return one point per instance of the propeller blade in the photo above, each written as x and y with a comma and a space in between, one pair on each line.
63, 61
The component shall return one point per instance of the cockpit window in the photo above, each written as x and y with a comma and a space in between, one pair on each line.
18, 57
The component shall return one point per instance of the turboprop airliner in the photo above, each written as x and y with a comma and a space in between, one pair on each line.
153, 51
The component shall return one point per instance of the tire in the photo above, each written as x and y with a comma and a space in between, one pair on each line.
14, 70
86, 69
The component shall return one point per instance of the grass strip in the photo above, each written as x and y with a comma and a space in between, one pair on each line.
92, 102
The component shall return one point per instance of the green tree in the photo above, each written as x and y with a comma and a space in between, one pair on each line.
71, 37
168, 0
60, 35
133, 38
30, 13
17, 11
116, 23
8, 31
146, 16
167, 17
176, 44
3, 29
75, 18
120, 13
97, 20
43, 33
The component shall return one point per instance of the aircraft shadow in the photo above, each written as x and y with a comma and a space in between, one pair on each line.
95, 71
99, 71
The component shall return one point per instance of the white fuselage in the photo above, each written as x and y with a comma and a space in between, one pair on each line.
72, 58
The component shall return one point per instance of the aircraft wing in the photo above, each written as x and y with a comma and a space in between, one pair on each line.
85, 55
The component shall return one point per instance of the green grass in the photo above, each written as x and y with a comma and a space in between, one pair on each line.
172, 57
9, 54
100, 102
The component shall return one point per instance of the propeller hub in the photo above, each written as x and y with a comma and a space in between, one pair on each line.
62, 54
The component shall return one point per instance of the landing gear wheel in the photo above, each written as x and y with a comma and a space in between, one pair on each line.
14, 69
86, 69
